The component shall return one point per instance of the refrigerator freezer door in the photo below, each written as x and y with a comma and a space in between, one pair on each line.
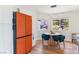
28, 44
20, 46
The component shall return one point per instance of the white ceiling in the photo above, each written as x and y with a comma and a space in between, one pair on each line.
60, 8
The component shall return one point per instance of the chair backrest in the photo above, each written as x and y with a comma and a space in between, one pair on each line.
55, 37
59, 38
45, 37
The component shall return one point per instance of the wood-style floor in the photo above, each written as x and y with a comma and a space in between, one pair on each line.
70, 48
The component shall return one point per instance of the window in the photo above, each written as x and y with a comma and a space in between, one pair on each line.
62, 23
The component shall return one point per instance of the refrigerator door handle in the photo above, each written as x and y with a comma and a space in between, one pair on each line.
24, 36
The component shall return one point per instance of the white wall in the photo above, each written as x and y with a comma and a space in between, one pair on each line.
73, 17
42, 16
6, 32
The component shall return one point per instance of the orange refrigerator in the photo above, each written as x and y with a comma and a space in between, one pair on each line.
22, 33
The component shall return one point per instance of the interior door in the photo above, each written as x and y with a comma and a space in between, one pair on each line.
28, 25
20, 25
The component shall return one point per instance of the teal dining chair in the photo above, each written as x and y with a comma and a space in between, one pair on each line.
59, 39
45, 38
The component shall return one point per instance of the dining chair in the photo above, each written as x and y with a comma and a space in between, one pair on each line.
59, 39
45, 38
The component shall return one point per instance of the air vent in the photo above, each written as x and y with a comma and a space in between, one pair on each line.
53, 6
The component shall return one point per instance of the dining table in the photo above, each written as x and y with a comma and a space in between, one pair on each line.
52, 34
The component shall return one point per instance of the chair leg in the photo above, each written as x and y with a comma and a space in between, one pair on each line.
48, 42
64, 44
54, 43
58, 44
42, 42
